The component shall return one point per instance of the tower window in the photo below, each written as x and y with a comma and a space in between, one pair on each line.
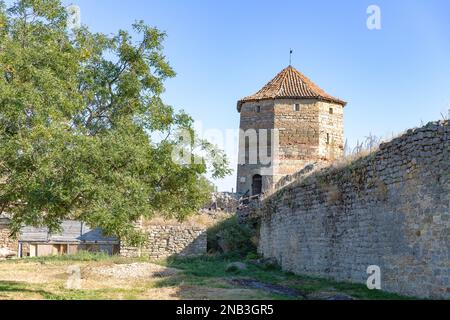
258, 109
328, 138
331, 110
296, 107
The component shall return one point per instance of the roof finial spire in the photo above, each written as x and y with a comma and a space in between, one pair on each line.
290, 56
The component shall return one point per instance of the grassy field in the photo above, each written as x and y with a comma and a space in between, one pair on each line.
198, 278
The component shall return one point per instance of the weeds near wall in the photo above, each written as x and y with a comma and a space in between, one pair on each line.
334, 195
381, 190
289, 198
198, 220
231, 236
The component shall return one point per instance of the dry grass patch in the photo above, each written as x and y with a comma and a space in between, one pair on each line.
133, 271
198, 220
204, 277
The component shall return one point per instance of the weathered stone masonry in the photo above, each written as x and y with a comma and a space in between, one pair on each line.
389, 209
5, 240
163, 241
168, 240
303, 123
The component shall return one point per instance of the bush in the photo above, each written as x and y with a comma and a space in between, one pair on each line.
252, 256
229, 236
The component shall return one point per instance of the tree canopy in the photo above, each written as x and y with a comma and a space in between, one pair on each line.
80, 113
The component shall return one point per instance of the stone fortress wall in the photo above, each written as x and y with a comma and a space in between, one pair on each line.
315, 132
168, 240
391, 209
253, 119
312, 133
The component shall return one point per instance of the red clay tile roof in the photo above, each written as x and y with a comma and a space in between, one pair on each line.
290, 84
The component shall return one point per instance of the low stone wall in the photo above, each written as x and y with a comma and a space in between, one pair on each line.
389, 209
163, 241
5, 240
221, 202
168, 240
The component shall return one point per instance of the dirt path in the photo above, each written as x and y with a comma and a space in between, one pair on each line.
104, 280
284, 290
272, 288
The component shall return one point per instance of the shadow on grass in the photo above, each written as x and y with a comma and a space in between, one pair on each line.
19, 287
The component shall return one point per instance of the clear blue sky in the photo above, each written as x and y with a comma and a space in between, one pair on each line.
393, 78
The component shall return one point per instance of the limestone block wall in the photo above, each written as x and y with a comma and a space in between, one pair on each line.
390, 209
312, 133
251, 118
331, 131
221, 202
167, 240
5, 240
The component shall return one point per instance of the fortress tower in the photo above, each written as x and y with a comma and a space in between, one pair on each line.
307, 123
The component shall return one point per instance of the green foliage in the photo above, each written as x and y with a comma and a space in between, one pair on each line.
198, 275
229, 236
84, 133
252, 256
232, 269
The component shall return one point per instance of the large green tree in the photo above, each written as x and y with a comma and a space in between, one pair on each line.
84, 133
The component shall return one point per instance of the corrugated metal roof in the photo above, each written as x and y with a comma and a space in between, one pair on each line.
33, 234
290, 84
91, 235
72, 231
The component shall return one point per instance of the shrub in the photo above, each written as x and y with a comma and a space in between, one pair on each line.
232, 269
229, 236
252, 256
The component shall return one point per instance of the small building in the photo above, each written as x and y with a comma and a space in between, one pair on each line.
288, 124
75, 236
164, 240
